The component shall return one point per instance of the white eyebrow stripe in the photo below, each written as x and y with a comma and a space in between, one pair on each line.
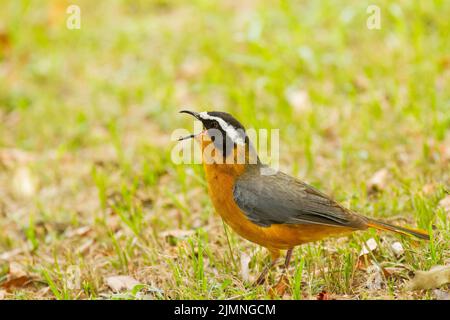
229, 129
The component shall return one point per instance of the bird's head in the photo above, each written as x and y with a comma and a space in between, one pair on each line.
226, 133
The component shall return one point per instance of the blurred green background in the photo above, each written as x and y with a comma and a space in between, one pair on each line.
86, 117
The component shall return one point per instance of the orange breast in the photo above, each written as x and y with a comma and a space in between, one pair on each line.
220, 178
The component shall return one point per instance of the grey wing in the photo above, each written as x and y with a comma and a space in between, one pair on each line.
282, 199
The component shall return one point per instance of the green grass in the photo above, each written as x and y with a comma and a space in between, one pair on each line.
88, 114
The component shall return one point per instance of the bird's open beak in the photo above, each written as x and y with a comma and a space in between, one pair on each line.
196, 115
192, 113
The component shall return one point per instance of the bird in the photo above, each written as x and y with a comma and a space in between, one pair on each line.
276, 210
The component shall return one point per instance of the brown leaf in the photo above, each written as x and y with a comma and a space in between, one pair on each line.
17, 277
323, 295
434, 278
280, 288
390, 272
378, 181
16, 282
118, 283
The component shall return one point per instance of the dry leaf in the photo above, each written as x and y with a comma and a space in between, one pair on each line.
378, 181
17, 277
280, 288
118, 283
2, 294
392, 271
16, 282
323, 295
23, 183
245, 274
434, 278
397, 248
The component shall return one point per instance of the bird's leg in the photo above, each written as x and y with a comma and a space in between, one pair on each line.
282, 284
275, 255
288, 259
262, 277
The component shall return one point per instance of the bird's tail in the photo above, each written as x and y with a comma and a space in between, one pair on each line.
389, 227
